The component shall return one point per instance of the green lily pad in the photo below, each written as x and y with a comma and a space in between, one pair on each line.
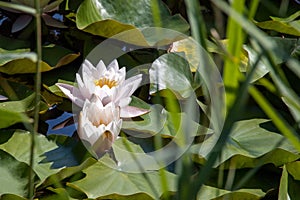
107, 18
104, 181
11, 197
66, 172
210, 193
170, 71
12, 112
19, 147
23, 61
14, 175
293, 169
249, 145
287, 25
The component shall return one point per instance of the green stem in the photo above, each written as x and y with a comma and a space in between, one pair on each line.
197, 23
18, 7
37, 95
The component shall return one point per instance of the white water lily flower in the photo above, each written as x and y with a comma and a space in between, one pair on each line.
109, 84
99, 125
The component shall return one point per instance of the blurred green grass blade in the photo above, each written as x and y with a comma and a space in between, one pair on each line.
248, 26
235, 36
294, 65
156, 13
197, 23
253, 8
232, 116
277, 119
18, 7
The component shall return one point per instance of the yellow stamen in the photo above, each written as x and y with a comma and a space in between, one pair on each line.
100, 122
104, 81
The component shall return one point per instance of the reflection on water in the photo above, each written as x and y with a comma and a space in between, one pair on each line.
62, 125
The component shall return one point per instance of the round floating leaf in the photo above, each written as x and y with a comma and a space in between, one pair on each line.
23, 61
11, 197
107, 18
249, 145
170, 71
209, 193
19, 147
12, 112
14, 175
287, 25
104, 181
293, 169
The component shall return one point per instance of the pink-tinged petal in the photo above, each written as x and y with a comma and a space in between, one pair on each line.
131, 111
68, 90
82, 87
3, 98
114, 65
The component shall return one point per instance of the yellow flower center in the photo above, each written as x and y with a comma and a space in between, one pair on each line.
104, 81
100, 122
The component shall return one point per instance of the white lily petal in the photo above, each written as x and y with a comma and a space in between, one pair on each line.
114, 65
133, 83
101, 69
124, 102
129, 87
102, 145
69, 90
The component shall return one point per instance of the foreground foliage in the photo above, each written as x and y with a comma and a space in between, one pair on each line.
257, 154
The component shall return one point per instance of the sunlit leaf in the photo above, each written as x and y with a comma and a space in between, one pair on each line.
107, 18
11, 197
14, 175
19, 147
209, 193
12, 112
103, 181
293, 169
170, 71
287, 25
58, 193
67, 172
23, 61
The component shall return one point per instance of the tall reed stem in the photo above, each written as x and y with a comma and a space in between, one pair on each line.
37, 95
